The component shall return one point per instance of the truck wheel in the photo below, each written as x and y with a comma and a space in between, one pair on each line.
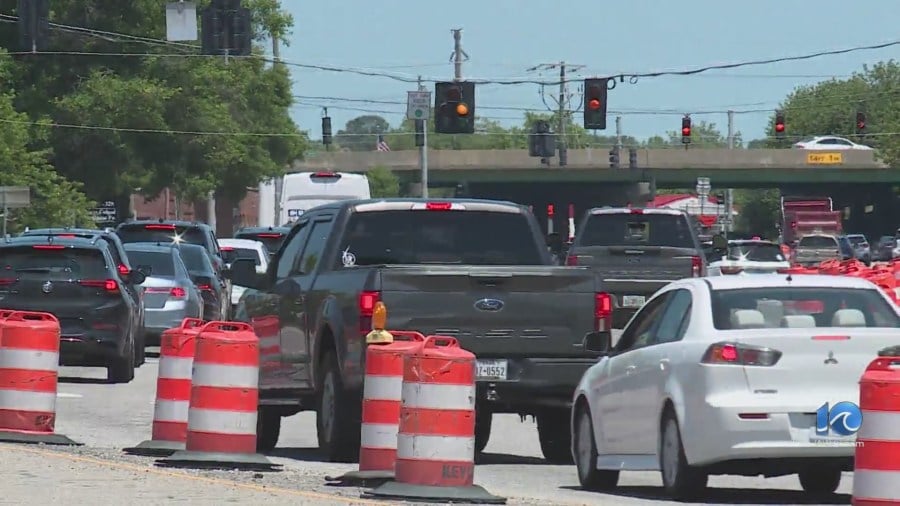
483, 420
337, 415
555, 435
268, 428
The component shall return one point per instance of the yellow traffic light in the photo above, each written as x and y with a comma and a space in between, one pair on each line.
462, 109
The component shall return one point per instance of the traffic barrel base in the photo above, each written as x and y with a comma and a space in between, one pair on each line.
173, 392
29, 373
383, 386
436, 439
222, 415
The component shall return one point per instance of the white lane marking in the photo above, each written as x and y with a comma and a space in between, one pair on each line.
65, 395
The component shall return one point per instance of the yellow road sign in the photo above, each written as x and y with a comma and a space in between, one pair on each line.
824, 158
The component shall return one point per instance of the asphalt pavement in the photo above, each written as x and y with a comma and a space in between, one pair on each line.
107, 418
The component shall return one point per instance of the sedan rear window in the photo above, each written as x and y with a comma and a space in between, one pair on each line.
867, 306
161, 263
62, 263
196, 259
230, 254
164, 233
755, 252
818, 241
621, 229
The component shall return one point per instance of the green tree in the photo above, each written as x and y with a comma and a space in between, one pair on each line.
361, 133
759, 211
703, 135
383, 183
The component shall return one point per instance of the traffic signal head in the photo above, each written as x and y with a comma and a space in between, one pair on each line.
614, 158
541, 141
454, 104
595, 92
686, 129
860, 123
632, 158
779, 124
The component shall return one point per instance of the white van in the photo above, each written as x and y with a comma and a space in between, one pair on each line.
302, 191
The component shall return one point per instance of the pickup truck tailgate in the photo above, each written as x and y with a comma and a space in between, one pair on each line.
539, 311
638, 262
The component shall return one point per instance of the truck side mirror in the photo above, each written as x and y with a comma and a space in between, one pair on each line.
243, 273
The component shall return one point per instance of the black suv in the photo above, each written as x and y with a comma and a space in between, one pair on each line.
119, 256
163, 231
272, 237
77, 280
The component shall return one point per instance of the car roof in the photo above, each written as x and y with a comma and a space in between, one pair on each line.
781, 280
149, 247
65, 230
177, 223
241, 243
262, 230
739, 242
637, 210
398, 204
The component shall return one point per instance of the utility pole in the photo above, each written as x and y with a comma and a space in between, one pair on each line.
729, 193
562, 103
619, 133
458, 56
423, 125
263, 187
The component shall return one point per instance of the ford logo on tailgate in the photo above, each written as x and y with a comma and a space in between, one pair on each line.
489, 305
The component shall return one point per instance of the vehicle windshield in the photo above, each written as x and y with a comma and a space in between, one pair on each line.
63, 263
818, 241
440, 237
230, 254
755, 252
856, 240
164, 233
196, 259
820, 303
161, 263
621, 229
272, 240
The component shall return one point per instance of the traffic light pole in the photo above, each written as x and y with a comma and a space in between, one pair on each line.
561, 129
423, 150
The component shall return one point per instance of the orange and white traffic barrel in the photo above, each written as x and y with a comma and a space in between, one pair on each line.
436, 439
29, 373
173, 391
876, 473
221, 430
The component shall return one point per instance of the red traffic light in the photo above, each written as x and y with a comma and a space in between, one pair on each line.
861, 125
779, 127
686, 131
453, 94
550, 210
594, 104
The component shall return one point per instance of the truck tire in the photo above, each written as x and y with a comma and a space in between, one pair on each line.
555, 436
268, 428
337, 415
483, 421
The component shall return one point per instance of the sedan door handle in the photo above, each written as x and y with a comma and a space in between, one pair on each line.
664, 364
630, 369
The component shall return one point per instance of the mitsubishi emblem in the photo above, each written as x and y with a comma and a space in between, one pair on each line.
47, 287
830, 360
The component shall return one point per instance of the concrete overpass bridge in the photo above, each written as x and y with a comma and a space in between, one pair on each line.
668, 167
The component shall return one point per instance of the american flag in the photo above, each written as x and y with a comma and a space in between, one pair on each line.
381, 145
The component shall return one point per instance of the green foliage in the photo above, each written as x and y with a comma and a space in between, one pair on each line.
383, 183
759, 211
703, 135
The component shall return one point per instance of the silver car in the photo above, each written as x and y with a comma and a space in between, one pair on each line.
169, 294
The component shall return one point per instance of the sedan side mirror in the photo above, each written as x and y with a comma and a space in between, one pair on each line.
136, 277
598, 342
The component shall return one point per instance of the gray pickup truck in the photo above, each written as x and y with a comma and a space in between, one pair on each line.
636, 252
471, 269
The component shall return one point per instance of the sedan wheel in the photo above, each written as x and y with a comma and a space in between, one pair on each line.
680, 480
589, 476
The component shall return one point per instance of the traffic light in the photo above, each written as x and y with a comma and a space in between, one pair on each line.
632, 158
614, 158
686, 129
860, 123
779, 125
34, 24
595, 91
541, 141
454, 103
326, 130
420, 132
226, 29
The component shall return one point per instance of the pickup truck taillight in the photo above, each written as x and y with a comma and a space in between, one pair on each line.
572, 260
696, 267
602, 312
367, 301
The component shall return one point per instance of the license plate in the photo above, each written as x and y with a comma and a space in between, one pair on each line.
490, 370
633, 300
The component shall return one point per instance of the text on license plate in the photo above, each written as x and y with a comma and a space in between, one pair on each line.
490, 369
632, 300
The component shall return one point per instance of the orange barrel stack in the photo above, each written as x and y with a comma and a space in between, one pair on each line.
876, 473
29, 371
221, 431
436, 440
383, 386
173, 391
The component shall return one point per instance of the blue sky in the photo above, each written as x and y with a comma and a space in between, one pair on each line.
504, 37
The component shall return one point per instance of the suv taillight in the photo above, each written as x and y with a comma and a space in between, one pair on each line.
367, 301
740, 354
110, 285
602, 312
572, 260
696, 267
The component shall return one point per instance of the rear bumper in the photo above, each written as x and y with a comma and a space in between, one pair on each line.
533, 383
91, 349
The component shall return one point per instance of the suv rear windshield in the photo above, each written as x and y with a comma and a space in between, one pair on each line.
272, 240
856, 240
619, 229
160, 263
820, 303
64, 263
441, 237
755, 252
196, 260
154, 232
230, 254
818, 241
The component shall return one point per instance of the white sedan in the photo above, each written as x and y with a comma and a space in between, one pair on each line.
733, 375
232, 249
749, 257
830, 143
